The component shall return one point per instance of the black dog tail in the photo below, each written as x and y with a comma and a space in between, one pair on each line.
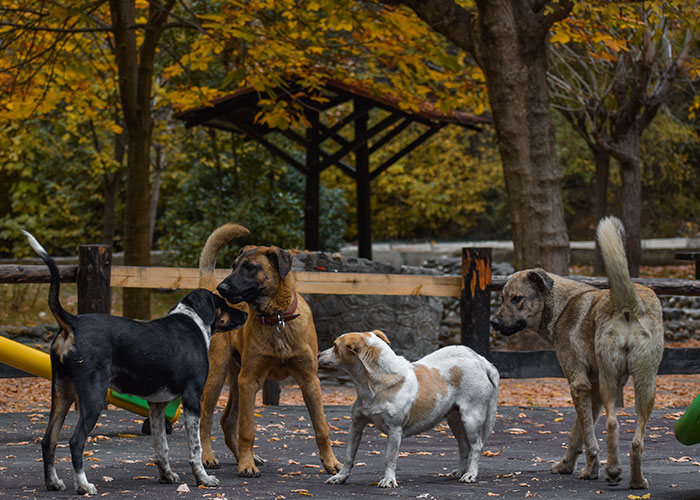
62, 316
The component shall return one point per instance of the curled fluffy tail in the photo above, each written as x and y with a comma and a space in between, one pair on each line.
61, 315
611, 236
216, 241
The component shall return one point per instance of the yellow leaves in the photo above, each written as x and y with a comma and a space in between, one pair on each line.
560, 37
637, 497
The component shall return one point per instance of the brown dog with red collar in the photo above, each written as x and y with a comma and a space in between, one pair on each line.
278, 340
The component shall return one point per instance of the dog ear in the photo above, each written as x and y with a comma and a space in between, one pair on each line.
382, 336
538, 277
281, 259
202, 302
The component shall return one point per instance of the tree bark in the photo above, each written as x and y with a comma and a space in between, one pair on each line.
135, 66
631, 197
602, 174
508, 39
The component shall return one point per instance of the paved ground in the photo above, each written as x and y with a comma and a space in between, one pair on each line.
118, 460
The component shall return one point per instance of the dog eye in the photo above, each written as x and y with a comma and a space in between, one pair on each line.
516, 299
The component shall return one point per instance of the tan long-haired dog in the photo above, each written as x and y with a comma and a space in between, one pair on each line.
278, 340
601, 337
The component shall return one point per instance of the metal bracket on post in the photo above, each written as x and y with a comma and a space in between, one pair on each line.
476, 299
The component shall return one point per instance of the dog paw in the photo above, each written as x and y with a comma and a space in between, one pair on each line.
562, 467
168, 477
388, 482
248, 471
588, 473
639, 484
55, 485
337, 479
469, 477
332, 467
209, 481
210, 463
86, 489
613, 475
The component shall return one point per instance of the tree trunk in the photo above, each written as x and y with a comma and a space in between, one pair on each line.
158, 167
137, 247
630, 172
602, 173
515, 66
508, 39
112, 180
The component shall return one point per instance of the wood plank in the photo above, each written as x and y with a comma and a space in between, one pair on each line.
16, 273
307, 282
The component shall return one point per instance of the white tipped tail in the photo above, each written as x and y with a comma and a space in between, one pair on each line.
610, 235
36, 246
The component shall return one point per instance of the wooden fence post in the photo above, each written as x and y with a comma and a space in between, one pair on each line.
476, 298
94, 273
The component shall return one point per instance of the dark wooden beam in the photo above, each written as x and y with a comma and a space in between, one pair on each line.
313, 185
16, 273
362, 186
390, 135
475, 299
272, 148
410, 147
94, 272
359, 141
357, 112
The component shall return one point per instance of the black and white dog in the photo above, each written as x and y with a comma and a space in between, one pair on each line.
157, 360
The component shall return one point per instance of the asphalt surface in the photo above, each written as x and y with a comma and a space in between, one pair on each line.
525, 442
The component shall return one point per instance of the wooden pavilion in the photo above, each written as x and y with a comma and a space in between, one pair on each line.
325, 146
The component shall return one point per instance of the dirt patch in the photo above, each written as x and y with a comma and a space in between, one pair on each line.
673, 391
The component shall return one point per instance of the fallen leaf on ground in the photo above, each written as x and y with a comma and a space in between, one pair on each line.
489, 453
183, 488
516, 431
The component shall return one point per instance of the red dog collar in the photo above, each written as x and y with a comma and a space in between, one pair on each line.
279, 319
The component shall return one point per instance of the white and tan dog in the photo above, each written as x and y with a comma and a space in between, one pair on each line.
403, 398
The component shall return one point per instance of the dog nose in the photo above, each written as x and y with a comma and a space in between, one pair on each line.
222, 288
495, 323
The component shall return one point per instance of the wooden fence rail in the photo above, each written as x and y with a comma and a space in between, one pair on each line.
476, 273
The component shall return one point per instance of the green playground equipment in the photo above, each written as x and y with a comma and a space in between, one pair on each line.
687, 428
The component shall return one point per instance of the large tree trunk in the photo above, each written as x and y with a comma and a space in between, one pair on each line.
135, 65
630, 172
602, 174
508, 39
515, 65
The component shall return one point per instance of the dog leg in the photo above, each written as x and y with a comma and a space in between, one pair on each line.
644, 395
156, 413
91, 402
210, 395
248, 386
354, 438
194, 445
581, 395
229, 419
610, 388
573, 449
472, 424
61, 400
313, 398
391, 455
455, 422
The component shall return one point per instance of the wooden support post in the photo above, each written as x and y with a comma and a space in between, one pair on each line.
312, 211
271, 393
362, 184
94, 273
475, 300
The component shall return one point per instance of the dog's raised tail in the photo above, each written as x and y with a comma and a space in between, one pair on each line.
216, 241
611, 236
61, 315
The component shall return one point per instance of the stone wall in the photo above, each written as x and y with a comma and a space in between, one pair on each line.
412, 323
